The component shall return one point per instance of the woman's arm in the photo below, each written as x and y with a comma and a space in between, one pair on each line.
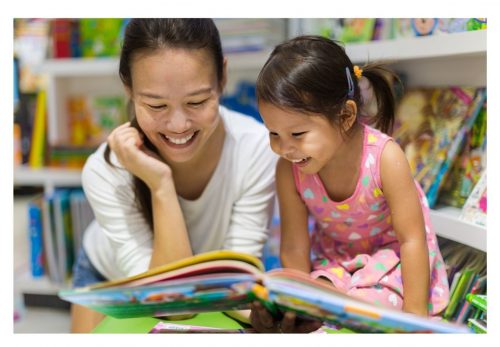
171, 241
295, 243
408, 222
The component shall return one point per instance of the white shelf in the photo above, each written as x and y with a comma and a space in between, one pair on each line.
447, 224
49, 178
437, 46
75, 67
25, 283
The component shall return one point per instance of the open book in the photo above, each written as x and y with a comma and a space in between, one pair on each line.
226, 280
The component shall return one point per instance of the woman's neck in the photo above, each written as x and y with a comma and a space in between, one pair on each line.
192, 177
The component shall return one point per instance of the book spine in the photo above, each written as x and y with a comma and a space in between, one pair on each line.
36, 239
61, 36
48, 239
458, 293
38, 136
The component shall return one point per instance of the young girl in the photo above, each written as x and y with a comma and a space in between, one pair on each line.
186, 175
372, 236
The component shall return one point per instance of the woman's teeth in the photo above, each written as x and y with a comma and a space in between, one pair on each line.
179, 141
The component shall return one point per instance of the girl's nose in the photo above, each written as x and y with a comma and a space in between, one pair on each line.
286, 149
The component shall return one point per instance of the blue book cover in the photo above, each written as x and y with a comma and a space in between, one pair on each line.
36, 238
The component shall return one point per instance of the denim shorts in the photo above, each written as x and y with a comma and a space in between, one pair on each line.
84, 273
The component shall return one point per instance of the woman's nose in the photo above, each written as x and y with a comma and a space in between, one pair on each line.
178, 122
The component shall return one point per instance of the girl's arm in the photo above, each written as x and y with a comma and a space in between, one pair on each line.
171, 241
295, 243
408, 222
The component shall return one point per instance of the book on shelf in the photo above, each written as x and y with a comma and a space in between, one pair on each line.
227, 280
478, 320
38, 137
469, 165
475, 207
36, 236
24, 118
57, 223
93, 117
64, 235
431, 125
49, 240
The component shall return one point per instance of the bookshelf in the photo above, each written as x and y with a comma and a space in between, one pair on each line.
439, 60
444, 59
48, 178
447, 224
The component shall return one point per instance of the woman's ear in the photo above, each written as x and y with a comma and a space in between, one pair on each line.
224, 76
128, 92
349, 115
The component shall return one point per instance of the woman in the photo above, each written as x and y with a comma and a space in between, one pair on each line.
186, 175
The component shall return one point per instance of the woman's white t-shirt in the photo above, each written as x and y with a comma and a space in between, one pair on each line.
233, 212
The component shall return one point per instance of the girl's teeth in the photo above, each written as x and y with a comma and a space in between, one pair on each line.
180, 141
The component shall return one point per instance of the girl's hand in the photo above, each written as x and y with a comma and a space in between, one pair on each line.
127, 143
263, 322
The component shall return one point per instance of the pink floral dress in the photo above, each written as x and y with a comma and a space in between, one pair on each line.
353, 241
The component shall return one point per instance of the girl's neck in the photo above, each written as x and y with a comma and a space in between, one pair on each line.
348, 156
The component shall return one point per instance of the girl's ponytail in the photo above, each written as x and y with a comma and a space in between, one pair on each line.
382, 81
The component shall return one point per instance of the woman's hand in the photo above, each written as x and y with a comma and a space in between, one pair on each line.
128, 145
263, 322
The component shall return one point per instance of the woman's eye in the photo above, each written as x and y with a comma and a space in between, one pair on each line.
156, 107
197, 103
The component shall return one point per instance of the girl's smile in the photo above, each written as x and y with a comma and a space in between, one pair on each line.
308, 141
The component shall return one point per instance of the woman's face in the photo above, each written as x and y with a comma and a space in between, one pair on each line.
176, 98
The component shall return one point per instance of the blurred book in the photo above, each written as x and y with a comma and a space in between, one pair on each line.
92, 118
431, 125
475, 208
468, 167
101, 37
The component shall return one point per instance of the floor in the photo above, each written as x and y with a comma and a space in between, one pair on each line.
31, 319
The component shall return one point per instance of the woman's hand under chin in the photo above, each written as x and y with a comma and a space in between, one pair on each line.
128, 145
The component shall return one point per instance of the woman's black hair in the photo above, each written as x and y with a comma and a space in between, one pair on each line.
151, 34
308, 73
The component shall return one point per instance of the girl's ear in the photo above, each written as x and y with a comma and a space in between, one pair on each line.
349, 115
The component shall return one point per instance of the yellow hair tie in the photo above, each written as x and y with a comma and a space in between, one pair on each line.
358, 72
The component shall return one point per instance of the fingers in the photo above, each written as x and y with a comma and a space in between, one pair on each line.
261, 320
264, 322
307, 325
124, 141
288, 323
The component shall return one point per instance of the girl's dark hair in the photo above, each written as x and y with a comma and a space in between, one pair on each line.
151, 34
308, 73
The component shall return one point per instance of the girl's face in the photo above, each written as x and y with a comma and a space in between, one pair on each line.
308, 140
176, 98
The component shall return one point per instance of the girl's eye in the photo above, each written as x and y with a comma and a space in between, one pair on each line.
272, 134
298, 134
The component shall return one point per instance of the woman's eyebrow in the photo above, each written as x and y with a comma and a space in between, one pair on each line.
156, 96
200, 91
